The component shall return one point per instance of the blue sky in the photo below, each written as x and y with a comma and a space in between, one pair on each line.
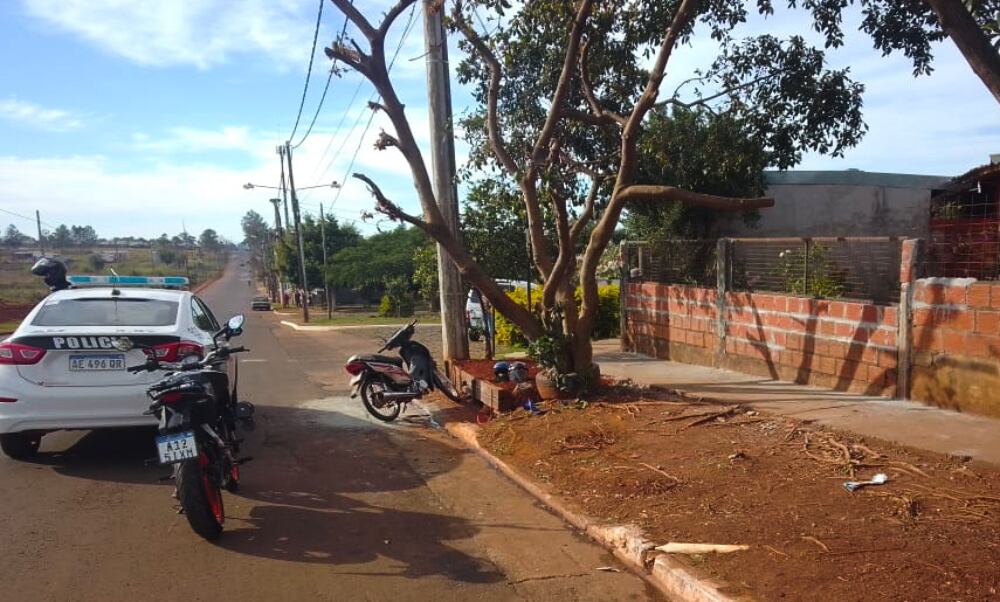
138, 117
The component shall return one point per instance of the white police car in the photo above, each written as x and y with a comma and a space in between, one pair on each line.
63, 368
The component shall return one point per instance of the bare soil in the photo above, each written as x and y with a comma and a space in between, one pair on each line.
699, 472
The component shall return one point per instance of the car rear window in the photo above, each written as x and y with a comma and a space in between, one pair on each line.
107, 312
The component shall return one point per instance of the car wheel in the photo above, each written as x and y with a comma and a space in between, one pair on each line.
20, 446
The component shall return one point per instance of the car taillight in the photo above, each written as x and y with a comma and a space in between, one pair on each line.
171, 352
171, 396
20, 355
354, 368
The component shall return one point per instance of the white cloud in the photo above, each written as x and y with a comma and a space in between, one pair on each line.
182, 32
203, 33
181, 140
36, 116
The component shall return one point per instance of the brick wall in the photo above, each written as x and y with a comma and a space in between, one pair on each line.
956, 344
840, 345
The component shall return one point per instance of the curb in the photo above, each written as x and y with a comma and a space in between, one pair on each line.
669, 576
300, 327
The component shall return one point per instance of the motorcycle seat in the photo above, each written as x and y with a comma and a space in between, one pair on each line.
386, 359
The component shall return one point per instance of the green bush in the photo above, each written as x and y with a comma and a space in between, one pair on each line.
606, 326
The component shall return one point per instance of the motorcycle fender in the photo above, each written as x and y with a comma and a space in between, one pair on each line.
356, 384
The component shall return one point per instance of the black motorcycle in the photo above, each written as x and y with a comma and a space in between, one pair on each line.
387, 383
198, 414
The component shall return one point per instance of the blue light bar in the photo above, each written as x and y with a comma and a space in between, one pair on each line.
147, 281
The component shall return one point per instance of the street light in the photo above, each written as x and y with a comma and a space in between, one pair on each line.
251, 186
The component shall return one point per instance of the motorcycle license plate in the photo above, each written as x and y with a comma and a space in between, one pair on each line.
177, 447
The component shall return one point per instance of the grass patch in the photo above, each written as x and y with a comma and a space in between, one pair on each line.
18, 286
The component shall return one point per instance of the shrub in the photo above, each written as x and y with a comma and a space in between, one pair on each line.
96, 262
606, 326
397, 300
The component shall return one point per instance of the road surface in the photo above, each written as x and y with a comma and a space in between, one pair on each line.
334, 506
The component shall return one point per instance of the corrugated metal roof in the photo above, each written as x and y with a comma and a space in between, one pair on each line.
854, 177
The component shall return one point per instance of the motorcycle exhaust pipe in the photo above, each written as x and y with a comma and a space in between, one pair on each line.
398, 395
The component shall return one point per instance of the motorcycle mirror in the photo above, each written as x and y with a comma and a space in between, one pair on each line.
190, 361
235, 325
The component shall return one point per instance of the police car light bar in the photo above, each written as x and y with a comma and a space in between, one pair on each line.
146, 281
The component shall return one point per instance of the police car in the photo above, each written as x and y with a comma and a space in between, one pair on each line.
64, 366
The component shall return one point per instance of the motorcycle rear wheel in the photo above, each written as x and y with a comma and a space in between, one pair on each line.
200, 498
389, 410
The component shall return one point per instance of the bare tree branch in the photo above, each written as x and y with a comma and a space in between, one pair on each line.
395, 11
466, 264
492, 91
703, 101
353, 58
638, 192
355, 16
588, 211
588, 90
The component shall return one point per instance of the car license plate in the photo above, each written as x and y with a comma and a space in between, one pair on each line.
97, 363
177, 447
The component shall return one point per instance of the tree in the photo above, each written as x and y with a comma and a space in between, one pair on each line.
83, 236
374, 261
425, 274
337, 237
12, 237
61, 237
493, 229
209, 240
563, 92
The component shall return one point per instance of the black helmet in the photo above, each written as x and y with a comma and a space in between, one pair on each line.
500, 371
53, 271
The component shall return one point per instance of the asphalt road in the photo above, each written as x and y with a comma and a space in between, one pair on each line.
334, 506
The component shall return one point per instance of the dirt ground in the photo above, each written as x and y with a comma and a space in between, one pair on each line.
698, 472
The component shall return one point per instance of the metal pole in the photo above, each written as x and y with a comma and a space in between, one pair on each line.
456, 344
277, 215
41, 241
284, 188
298, 235
326, 285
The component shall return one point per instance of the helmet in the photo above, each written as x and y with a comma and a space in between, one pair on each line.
53, 271
518, 372
501, 371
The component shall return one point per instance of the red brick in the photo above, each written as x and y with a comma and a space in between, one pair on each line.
827, 328
988, 322
779, 338
956, 295
953, 342
780, 303
795, 341
923, 317
818, 307
979, 295
977, 345
875, 375
890, 316
954, 319
825, 365
883, 337
730, 346
995, 297
837, 309
887, 359
843, 329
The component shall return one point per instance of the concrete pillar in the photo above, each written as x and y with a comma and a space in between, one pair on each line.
910, 268
723, 282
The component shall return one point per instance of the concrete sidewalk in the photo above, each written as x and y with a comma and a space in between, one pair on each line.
906, 422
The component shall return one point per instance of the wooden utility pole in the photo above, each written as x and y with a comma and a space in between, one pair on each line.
277, 215
298, 234
41, 241
453, 334
326, 285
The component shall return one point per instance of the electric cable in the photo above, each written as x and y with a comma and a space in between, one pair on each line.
329, 77
312, 55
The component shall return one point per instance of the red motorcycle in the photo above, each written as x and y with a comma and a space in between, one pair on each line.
387, 383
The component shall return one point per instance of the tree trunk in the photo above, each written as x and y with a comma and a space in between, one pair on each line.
958, 23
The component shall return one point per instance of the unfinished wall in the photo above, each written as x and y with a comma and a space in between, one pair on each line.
956, 344
841, 345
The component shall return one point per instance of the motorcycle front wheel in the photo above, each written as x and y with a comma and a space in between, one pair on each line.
200, 498
384, 410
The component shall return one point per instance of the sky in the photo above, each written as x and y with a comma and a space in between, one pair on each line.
142, 118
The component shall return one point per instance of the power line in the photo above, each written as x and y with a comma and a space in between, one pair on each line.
312, 55
329, 76
25, 217
333, 137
